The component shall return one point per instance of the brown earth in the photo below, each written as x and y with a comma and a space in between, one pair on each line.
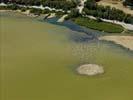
117, 4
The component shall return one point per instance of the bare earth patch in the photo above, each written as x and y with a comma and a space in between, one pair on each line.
125, 41
117, 4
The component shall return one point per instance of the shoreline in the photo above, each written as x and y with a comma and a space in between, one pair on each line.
62, 19
126, 26
124, 41
27, 12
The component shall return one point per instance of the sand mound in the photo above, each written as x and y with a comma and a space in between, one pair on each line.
90, 69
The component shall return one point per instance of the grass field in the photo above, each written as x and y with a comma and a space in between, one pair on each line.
101, 26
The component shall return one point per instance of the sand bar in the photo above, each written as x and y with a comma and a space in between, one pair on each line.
90, 69
125, 41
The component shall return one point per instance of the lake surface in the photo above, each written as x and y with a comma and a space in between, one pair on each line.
38, 62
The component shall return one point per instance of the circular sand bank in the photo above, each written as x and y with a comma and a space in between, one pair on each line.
90, 69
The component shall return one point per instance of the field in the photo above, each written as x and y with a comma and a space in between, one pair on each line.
101, 26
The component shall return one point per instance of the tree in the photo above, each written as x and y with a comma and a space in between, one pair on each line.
90, 4
128, 2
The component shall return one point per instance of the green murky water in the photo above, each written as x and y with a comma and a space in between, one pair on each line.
38, 62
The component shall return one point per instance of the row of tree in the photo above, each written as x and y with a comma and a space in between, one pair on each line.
91, 8
58, 4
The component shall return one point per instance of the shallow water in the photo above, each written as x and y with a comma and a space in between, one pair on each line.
38, 62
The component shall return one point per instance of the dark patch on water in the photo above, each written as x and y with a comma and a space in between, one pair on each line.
89, 33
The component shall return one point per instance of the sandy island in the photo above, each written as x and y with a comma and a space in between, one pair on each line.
125, 41
90, 69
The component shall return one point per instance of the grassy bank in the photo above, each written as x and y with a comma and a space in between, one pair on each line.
90, 23
99, 25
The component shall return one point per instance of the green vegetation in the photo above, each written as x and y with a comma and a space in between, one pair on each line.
91, 8
128, 2
60, 13
10, 7
39, 11
98, 25
74, 13
32, 10
58, 4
